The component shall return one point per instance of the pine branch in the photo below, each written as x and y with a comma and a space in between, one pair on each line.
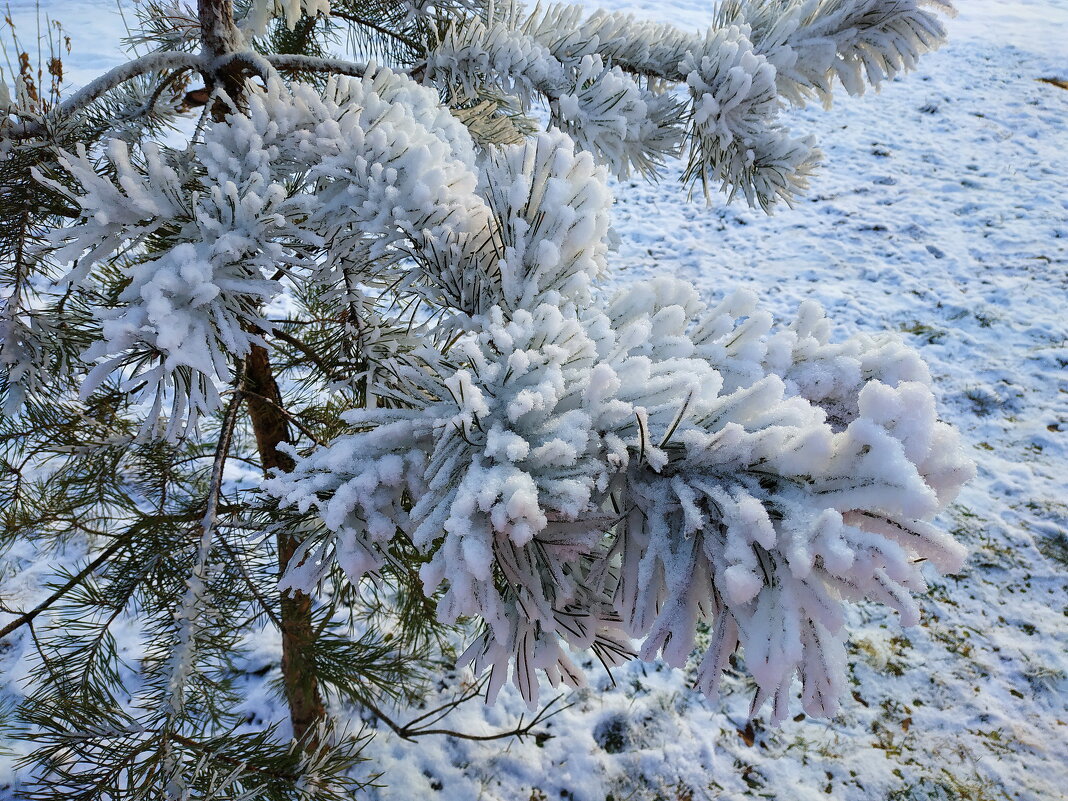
28, 617
288, 415
251, 584
222, 453
411, 730
576, 469
153, 62
348, 16
149, 105
296, 63
309, 351
214, 753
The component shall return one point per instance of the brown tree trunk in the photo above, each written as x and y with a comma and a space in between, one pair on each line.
271, 428
220, 37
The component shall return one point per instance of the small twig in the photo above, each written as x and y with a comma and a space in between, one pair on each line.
256, 62
28, 617
250, 583
185, 648
150, 104
520, 731
411, 729
464, 697
289, 416
355, 20
222, 452
308, 351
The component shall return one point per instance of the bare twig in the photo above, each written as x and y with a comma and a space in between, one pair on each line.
413, 729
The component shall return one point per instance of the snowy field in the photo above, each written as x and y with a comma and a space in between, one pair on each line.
941, 213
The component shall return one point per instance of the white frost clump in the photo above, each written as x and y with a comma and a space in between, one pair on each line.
737, 139
261, 12
626, 125
583, 471
606, 78
858, 42
358, 170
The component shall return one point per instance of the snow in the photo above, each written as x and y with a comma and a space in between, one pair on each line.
939, 213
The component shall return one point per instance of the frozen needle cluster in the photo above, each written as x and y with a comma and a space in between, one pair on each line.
580, 476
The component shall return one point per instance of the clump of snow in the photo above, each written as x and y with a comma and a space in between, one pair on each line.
378, 160
587, 462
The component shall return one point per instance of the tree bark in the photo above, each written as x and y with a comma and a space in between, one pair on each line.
271, 429
220, 38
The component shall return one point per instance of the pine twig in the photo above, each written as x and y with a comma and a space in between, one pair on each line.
154, 62
412, 729
150, 104
28, 617
288, 415
355, 20
250, 583
308, 351
295, 63
222, 452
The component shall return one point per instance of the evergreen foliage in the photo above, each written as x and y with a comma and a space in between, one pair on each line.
377, 280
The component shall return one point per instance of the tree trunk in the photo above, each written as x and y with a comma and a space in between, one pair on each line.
298, 635
220, 37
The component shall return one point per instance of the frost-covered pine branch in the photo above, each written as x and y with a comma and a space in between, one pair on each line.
607, 78
460, 426
586, 475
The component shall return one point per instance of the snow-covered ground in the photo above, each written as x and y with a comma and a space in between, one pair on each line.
941, 213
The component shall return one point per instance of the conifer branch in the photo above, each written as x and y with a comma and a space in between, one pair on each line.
214, 753
264, 605
80, 576
153, 62
222, 452
150, 104
289, 62
296, 63
310, 352
348, 16
288, 415
571, 470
